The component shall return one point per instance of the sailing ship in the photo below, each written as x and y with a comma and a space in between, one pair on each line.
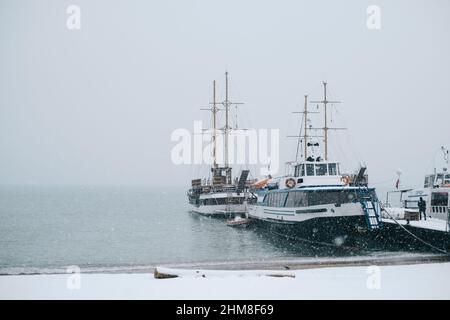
316, 201
220, 195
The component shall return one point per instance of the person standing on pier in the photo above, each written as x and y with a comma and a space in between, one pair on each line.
422, 206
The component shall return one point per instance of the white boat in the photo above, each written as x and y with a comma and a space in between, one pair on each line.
220, 195
435, 193
239, 221
317, 202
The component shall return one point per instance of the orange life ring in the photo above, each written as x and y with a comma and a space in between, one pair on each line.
290, 183
345, 180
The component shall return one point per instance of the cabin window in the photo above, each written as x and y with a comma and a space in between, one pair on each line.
276, 199
411, 204
299, 170
297, 199
426, 184
447, 178
431, 181
267, 199
309, 169
439, 199
321, 169
332, 197
222, 201
439, 179
281, 199
332, 169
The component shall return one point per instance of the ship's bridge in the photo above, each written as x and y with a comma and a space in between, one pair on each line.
316, 169
437, 180
314, 173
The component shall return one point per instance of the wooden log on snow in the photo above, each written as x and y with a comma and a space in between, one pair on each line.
166, 273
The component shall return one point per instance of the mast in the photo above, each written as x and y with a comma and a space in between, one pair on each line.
214, 109
306, 128
226, 104
305, 135
226, 129
214, 112
325, 128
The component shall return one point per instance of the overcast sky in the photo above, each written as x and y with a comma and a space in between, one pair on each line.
97, 106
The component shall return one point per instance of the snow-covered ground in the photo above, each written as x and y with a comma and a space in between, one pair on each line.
425, 281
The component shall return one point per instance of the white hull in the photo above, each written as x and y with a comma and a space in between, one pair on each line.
301, 214
218, 210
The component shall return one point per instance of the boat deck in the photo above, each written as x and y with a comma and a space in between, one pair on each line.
429, 224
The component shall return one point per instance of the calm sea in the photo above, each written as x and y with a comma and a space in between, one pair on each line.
44, 229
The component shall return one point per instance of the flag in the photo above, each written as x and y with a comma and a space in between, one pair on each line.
397, 183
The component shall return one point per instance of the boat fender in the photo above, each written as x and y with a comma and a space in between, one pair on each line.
290, 183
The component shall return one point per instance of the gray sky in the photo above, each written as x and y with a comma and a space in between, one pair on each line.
97, 106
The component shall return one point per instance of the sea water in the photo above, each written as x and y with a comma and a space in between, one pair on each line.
46, 229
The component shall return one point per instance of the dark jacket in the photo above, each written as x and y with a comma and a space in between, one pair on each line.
422, 205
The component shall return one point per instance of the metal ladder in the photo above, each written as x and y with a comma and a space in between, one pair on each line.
370, 208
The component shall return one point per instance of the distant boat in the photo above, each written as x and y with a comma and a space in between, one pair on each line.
220, 195
435, 192
404, 226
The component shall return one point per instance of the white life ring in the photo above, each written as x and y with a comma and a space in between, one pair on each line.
290, 183
345, 180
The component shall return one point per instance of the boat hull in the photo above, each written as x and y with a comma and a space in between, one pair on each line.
346, 232
350, 231
218, 211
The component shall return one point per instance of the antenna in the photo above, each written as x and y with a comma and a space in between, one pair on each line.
325, 128
446, 157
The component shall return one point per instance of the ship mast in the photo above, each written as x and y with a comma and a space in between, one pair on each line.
226, 104
306, 130
214, 110
325, 128
305, 135
226, 130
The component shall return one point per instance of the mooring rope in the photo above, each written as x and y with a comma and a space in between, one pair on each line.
416, 237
